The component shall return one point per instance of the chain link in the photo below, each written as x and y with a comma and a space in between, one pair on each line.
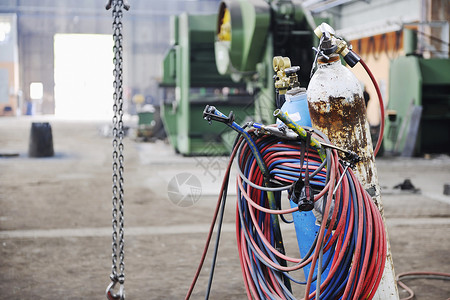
118, 158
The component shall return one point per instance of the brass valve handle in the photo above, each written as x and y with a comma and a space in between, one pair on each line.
286, 76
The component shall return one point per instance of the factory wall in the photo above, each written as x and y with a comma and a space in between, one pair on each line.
9, 80
146, 39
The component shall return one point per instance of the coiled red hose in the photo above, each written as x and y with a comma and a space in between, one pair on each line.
364, 225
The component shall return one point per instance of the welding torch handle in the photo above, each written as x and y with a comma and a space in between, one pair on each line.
284, 117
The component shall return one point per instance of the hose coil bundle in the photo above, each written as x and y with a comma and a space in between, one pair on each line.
351, 237
355, 240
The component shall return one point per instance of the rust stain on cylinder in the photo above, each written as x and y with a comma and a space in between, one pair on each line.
344, 122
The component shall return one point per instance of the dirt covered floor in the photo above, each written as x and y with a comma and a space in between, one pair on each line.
55, 218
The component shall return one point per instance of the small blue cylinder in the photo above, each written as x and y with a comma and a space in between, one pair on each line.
296, 106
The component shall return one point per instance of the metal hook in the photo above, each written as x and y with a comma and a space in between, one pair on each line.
108, 4
126, 5
110, 295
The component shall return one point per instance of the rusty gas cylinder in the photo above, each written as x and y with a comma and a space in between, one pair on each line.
337, 108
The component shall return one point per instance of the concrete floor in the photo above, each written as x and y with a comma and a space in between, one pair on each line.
55, 219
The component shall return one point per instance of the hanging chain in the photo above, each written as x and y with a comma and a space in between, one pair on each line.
117, 275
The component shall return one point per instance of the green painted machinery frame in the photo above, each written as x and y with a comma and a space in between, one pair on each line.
191, 76
260, 30
415, 81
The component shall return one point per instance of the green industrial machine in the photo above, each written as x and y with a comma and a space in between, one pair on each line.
251, 32
190, 81
418, 113
225, 60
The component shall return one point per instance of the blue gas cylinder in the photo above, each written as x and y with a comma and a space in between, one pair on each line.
296, 106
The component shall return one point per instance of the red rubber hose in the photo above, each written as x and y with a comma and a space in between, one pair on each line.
425, 275
380, 100
254, 233
213, 222
365, 271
